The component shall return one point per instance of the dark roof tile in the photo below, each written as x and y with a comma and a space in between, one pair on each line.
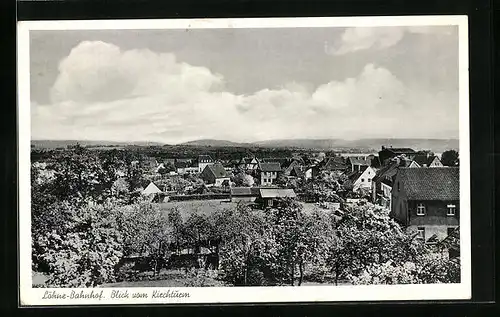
439, 183
270, 167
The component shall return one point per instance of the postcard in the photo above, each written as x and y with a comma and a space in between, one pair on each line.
249, 160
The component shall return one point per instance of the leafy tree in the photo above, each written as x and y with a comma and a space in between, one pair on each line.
146, 232
450, 158
175, 220
325, 188
120, 188
366, 235
243, 179
245, 247
429, 268
86, 251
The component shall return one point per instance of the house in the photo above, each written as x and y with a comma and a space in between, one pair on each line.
360, 179
247, 194
267, 196
151, 189
382, 182
389, 152
153, 192
382, 185
289, 166
204, 161
331, 164
268, 173
186, 167
214, 174
357, 163
248, 164
426, 160
427, 200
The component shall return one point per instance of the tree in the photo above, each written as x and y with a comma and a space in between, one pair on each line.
120, 188
325, 188
86, 251
146, 232
450, 158
245, 246
243, 179
366, 236
429, 268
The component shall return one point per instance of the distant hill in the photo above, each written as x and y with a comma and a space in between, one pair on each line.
216, 143
52, 144
436, 145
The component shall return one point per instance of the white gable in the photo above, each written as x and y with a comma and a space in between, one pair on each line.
365, 179
151, 189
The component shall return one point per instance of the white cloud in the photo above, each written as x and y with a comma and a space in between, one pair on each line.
103, 93
363, 38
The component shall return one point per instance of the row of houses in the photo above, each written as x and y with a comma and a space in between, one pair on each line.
415, 186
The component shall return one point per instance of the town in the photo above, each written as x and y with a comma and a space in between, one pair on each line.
197, 193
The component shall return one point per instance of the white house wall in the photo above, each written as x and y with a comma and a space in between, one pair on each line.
365, 180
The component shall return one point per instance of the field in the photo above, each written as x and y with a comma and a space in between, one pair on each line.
207, 207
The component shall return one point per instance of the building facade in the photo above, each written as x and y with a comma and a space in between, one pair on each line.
427, 200
268, 173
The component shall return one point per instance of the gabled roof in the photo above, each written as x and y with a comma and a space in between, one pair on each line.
205, 158
245, 191
439, 183
333, 163
247, 160
181, 164
365, 161
352, 177
422, 159
388, 170
151, 189
217, 170
270, 167
299, 171
276, 193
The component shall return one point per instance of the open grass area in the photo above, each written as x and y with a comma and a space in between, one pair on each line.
203, 207
207, 207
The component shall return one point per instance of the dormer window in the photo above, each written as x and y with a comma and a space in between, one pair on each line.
420, 209
452, 209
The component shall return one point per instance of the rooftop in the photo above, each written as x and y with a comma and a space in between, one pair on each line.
276, 193
439, 183
422, 159
270, 167
218, 170
245, 191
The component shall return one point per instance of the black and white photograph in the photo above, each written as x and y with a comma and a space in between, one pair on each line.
291, 159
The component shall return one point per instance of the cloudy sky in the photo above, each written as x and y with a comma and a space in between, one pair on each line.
174, 86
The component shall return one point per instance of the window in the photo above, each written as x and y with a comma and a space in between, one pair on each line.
399, 187
421, 233
420, 209
452, 209
369, 180
362, 180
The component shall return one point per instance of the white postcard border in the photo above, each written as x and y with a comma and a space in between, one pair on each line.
33, 296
